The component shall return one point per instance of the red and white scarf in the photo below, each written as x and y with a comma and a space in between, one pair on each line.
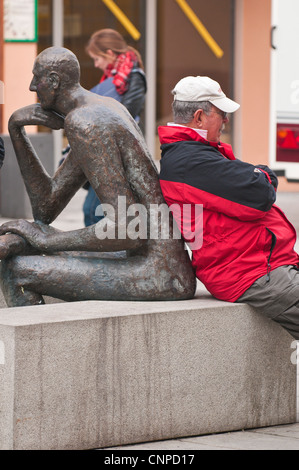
121, 70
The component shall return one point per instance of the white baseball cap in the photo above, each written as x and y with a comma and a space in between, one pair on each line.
203, 89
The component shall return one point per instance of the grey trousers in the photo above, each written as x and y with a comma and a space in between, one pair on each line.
278, 298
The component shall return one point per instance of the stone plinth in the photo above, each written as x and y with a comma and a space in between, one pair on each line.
95, 374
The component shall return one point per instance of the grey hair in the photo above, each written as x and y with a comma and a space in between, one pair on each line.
183, 111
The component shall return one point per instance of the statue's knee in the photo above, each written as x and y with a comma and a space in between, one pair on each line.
11, 268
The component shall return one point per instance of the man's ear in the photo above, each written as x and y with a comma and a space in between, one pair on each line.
197, 117
54, 79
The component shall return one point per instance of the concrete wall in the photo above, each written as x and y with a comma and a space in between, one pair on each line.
18, 65
252, 80
96, 374
14, 201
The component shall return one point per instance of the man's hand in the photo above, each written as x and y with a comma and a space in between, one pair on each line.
269, 173
2, 152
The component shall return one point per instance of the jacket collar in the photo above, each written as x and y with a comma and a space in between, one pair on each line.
172, 134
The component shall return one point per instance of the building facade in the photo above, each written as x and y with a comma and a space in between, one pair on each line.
228, 40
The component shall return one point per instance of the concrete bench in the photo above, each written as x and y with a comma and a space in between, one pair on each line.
95, 374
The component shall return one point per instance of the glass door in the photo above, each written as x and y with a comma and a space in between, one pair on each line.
195, 37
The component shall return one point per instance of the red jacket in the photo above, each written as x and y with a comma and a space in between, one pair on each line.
244, 235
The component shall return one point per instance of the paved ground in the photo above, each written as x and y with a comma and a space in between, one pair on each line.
271, 438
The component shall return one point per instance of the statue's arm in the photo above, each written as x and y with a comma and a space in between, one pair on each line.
47, 239
96, 152
48, 195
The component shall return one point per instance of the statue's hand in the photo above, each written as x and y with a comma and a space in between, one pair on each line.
11, 244
34, 114
37, 235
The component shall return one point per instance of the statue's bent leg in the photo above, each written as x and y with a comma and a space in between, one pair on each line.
71, 277
11, 245
14, 292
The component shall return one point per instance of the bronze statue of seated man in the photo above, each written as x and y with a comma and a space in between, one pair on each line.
109, 151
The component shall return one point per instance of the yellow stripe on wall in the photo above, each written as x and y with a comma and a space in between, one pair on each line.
200, 28
123, 19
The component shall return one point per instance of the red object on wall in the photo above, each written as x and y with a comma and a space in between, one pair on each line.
287, 143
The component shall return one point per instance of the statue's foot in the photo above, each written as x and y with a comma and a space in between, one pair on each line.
11, 245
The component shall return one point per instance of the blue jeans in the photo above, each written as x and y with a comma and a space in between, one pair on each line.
89, 208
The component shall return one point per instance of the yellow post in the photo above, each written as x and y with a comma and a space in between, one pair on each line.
200, 28
123, 19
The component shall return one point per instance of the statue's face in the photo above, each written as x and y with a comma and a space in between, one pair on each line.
43, 86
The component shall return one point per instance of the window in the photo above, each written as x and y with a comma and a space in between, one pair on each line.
182, 51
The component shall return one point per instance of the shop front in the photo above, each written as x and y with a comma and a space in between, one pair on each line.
176, 38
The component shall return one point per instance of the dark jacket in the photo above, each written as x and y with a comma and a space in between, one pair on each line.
244, 234
134, 98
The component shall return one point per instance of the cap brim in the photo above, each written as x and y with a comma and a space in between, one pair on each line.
225, 104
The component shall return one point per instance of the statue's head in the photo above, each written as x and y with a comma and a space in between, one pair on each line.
55, 70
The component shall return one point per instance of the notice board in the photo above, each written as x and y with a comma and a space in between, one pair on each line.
20, 20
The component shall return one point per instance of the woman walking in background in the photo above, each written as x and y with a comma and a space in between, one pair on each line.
123, 79
122, 65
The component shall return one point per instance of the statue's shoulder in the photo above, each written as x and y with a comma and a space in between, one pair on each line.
96, 116
81, 117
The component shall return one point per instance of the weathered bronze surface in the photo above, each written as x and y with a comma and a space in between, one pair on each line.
109, 151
